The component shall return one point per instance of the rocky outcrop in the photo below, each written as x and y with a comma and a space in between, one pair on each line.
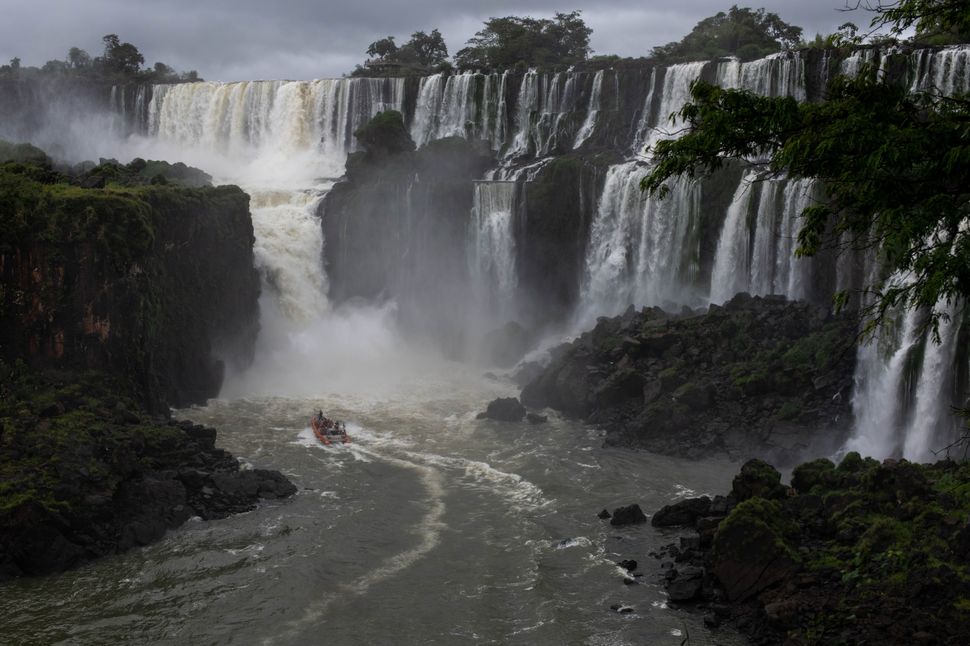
153, 283
86, 473
864, 552
504, 409
759, 376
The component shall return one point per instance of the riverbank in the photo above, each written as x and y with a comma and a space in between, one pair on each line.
860, 553
86, 472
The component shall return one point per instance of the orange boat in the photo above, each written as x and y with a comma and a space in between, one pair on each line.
329, 431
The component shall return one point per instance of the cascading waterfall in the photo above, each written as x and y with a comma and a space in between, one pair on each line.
640, 247
277, 140
592, 111
284, 136
732, 257
492, 246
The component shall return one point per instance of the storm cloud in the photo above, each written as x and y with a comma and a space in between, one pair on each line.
303, 39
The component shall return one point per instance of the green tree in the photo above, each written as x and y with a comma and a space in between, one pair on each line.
513, 41
895, 164
424, 49
121, 58
78, 58
741, 32
383, 48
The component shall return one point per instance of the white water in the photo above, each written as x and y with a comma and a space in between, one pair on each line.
492, 247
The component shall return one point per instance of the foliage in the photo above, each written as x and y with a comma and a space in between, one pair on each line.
385, 134
120, 62
420, 55
512, 41
742, 32
896, 166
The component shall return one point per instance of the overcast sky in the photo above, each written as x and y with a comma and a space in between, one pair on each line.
303, 39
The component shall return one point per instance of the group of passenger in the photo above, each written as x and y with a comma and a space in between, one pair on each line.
330, 426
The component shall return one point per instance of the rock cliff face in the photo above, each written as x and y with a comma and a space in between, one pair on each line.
760, 376
85, 473
114, 304
397, 226
154, 283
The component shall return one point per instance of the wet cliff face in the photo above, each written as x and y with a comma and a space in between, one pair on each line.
154, 284
396, 228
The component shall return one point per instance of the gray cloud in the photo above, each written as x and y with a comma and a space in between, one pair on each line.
301, 39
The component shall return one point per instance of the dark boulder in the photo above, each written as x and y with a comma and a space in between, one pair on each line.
685, 512
686, 584
629, 515
504, 409
603, 515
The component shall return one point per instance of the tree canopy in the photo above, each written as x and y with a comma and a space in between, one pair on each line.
513, 41
745, 33
423, 53
895, 164
120, 62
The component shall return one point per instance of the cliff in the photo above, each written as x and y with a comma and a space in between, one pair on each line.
397, 225
115, 303
152, 283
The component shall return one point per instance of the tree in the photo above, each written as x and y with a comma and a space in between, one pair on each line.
78, 58
744, 33
512, 41
895, 164
424, 49
121, 58
383, 48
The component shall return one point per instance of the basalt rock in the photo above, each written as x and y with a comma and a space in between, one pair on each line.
504, 409
758, 377
81, 483
862, 552
628, 515
152, 283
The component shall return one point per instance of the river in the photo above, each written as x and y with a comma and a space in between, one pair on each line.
431, 527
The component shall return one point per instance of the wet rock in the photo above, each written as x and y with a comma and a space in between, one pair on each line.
685, 512
603, 515
536, 418
628, 564
686, 586
504, 409
629, 515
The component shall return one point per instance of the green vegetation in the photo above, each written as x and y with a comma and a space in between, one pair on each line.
896, 165
385, 134
868, 552
514, 42
120, 62
423, 54
745, 33
54, 424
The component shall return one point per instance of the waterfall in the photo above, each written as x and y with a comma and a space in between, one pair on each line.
880, 378
445, 107
640, 247
731, 259
946, 71
492, 245
279, 138
592, 111
276, 139
931, 415
675, 93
